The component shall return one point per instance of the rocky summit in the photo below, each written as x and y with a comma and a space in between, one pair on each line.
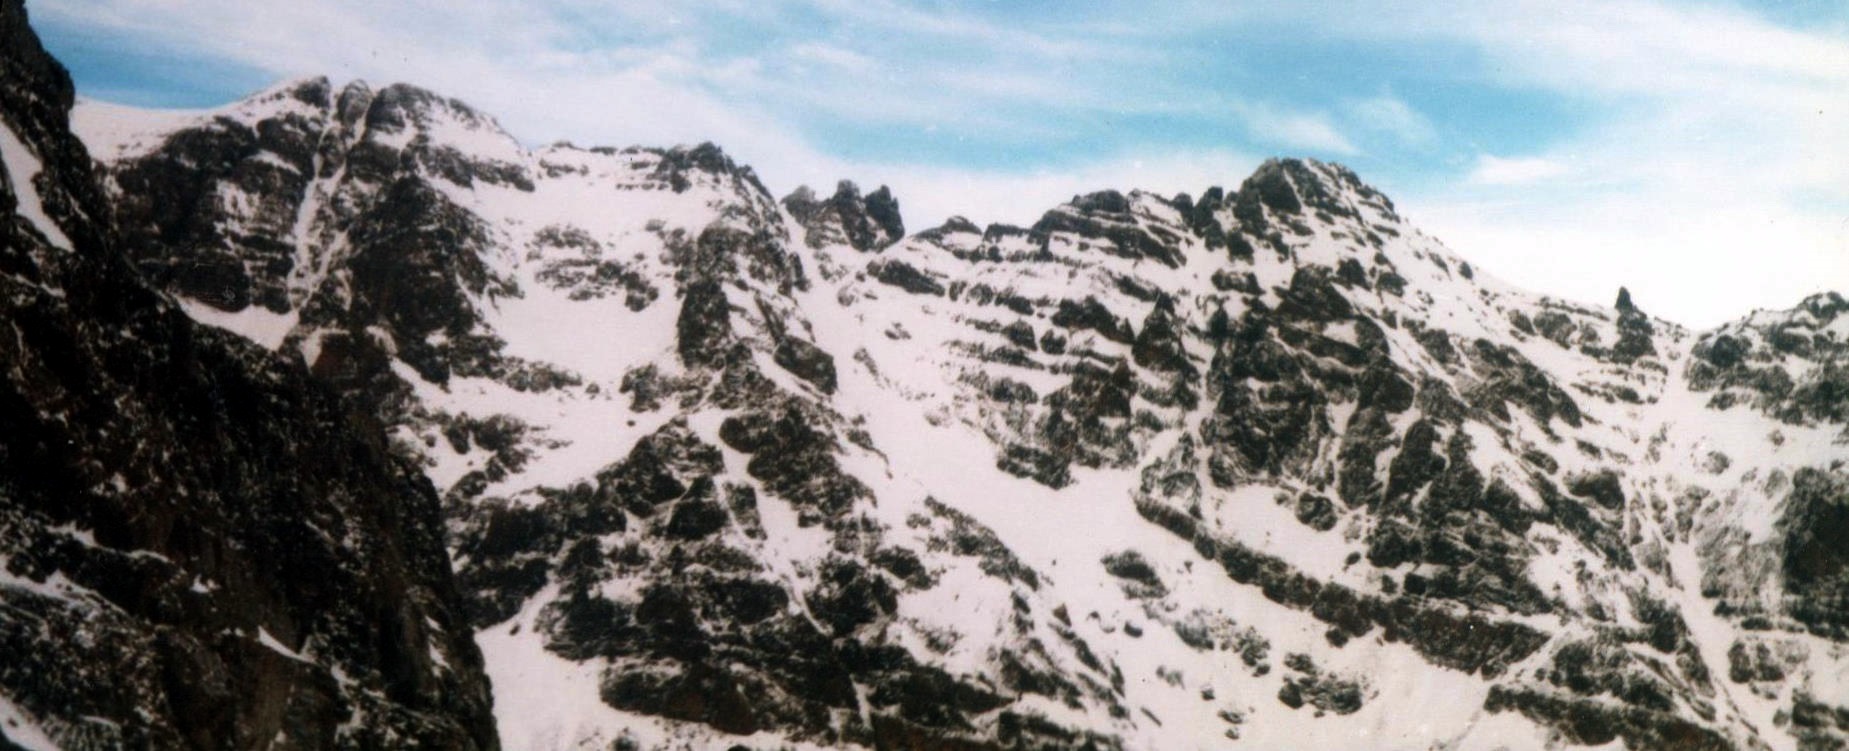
338, 417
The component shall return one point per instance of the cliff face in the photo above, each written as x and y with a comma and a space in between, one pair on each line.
200, 547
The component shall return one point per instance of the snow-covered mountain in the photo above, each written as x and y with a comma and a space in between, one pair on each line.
1266, 467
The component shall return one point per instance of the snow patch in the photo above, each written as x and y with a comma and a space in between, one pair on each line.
113, 132
264, 638
256, 323
19, 728
21, 167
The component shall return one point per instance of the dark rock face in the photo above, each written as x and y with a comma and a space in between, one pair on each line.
1159, 346
1593, 723
1316, 512
1509, 379
282, 580
1140, 580
794, 459
1272, 188
1601, 486
1091, 315
1818, 725
167, 195
867, 223
1634, 332
1106, 221
1035, 464
906, 277
808, 362
1268, 378
590, 272
704, 324
416, 245
678, 168
1816, 560
333, 207
1471, 644
1322, 692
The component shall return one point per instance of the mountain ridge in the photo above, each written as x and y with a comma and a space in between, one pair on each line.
106, 136
1310, 460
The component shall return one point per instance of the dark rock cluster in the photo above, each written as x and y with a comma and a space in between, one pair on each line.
866, 223
1752, 363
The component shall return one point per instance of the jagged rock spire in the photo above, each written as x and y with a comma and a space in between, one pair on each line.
867, 222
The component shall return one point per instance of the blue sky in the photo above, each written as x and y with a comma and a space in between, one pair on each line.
1698, 153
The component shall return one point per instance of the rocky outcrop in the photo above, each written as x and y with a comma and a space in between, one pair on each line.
865, 223
1788, 365
200, 546
1816, 559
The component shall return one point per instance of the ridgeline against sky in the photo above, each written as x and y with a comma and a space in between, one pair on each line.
1694, 152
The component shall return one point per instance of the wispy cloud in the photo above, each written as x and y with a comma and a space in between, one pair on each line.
1521, 130
941, 22
1493, 170
1293, 129
1393, 116
828, 54
1706, 169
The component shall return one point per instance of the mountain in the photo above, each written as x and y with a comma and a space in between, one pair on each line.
1265, 467
200, 546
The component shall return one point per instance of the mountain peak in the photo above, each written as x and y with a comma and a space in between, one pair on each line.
683, 166
1289, 184
1102, 201
310, 90
867, 222
1825, 306
400, 106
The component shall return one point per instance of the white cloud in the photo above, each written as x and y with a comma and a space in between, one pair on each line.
1710, 173
1493, 170
1389, 114
1700, 265
509, 61
828, 54
892, 17
1636, 45
1293, 129
1707, 149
